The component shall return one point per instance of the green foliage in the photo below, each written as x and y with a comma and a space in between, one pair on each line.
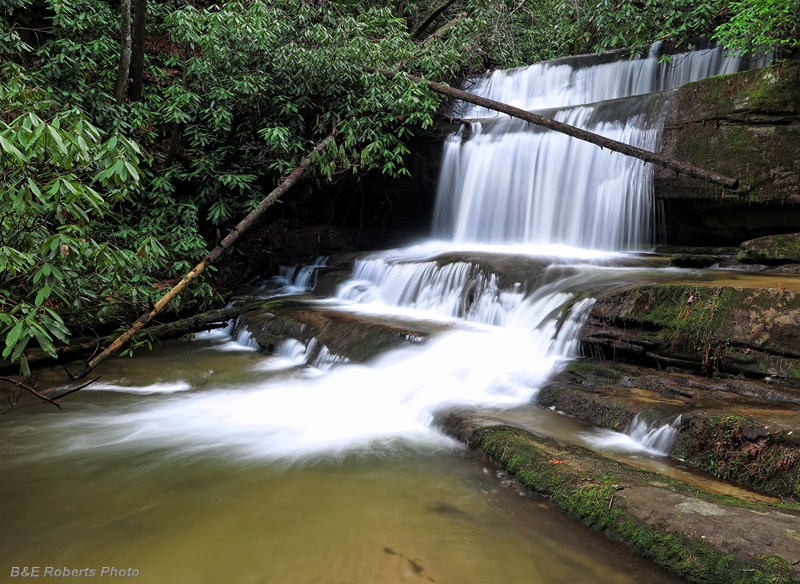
237, 92
61, 180
613, 24
749, 26
758, 25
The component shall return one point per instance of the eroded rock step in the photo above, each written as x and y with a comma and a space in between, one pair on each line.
701, 536
355, 337
712, 329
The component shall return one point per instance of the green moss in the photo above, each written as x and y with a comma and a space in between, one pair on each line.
773, 249
535, 462
590, 369
595, 407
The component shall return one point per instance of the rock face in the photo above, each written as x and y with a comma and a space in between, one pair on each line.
747, 126
773, 249
344, 335
750, 331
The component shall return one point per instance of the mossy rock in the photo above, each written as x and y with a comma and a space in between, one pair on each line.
772, 249
687, 260
735, 448
746, 126
702, 537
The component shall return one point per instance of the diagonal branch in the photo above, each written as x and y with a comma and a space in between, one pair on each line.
430, 18
215, 254
596, 139
29, 389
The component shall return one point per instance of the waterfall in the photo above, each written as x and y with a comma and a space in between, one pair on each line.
658, 438
507, 181
529, 224
591, 78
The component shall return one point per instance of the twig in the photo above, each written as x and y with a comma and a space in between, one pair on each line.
30, 389
610, 502
76, 389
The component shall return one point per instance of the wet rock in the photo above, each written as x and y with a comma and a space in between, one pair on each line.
685, 260
337, 271
738, 430
702, 537
345, 335
772, 249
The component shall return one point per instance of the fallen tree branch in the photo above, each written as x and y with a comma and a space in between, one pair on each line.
74, 389
214, 255
86, 349
602, 141
29, 389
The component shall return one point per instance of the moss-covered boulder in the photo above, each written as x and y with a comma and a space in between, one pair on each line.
738, 430
691, 260
714, 330
746, 126
772, 249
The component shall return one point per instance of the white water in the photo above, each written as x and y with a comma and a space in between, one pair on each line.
638, 437
561, 83
296, 279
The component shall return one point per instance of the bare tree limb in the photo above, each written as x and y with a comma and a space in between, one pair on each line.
430, 18
441, 32
602, 141
29, 389
74, 389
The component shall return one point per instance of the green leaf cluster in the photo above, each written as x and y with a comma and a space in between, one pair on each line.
62, 181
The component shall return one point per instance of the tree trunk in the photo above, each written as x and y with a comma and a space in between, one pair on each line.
137, 56
430, 18
441, 32
602, 141
242, 227
124, 52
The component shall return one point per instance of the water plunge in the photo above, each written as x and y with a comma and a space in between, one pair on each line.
506, 181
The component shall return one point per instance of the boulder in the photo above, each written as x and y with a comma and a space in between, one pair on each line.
772, 249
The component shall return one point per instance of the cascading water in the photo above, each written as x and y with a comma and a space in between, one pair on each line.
505, 181
508, 184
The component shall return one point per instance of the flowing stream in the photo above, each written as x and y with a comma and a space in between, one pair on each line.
207, 461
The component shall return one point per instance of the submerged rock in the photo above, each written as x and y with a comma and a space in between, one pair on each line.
686, 260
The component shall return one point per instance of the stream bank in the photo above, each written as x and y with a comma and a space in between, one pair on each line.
702, 537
